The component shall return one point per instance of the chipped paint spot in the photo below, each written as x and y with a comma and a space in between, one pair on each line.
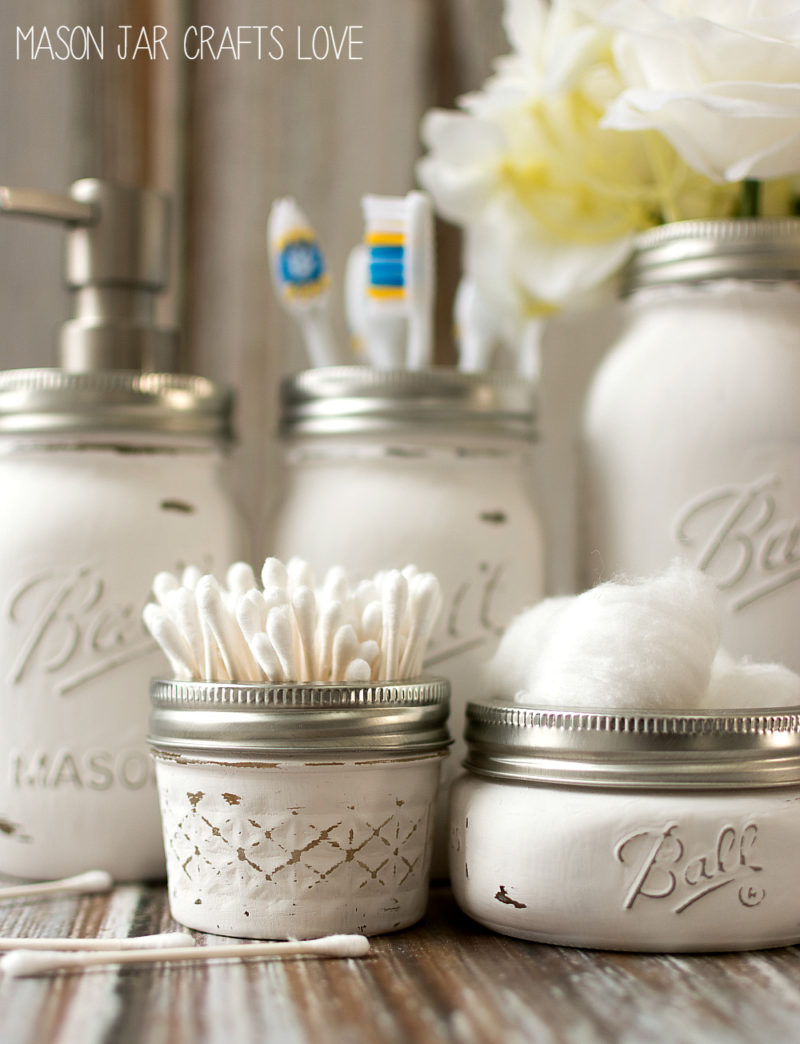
196, 798
11, 829
183, 507
502, 896
232, 799
494, 518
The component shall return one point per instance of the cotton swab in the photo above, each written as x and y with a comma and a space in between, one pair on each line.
273, 574
345, 649
292, 631
90, 881
304, 608
357, 671
267, 658
330, 621
279, 632
175, 647
165, 940
18, 964
394, 596
425, 603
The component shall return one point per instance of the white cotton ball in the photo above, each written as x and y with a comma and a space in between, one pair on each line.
648, 644
750, 686
507, 671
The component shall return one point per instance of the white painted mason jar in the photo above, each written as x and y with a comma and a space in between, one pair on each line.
301, 810
692, 426
105, 479
432, 468
630, 831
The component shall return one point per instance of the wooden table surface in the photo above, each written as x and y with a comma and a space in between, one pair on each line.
445, 980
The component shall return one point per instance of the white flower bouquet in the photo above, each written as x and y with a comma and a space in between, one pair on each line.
607, 118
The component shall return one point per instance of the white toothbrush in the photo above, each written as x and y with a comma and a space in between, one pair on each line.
399, 278
301, 280
476, 328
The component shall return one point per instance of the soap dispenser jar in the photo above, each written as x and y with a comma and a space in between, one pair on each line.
111, 469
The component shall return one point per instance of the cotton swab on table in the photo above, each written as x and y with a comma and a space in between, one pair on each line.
90, 881
164, 940
20, 964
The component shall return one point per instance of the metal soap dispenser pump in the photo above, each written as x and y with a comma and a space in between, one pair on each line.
110, 471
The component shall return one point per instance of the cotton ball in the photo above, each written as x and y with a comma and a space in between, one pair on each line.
751, 686
507, 671
648, 644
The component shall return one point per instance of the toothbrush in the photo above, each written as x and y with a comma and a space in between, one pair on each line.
476, 327
399, 277
301, 279
530, 352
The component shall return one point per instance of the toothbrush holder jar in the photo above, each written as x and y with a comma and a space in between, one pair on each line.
295, 811
430, 467
632, 830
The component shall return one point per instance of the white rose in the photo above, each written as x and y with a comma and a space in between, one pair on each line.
550, 200
720, 79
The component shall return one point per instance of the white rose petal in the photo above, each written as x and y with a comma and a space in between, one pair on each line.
721, 83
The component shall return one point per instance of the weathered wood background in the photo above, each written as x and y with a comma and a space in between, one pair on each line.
225, 137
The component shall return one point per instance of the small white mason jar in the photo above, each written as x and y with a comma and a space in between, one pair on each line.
105, 479
432, 468
630, 831
692, 428
301, 810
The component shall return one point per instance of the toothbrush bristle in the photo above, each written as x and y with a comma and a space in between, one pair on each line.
301, 265
386, 265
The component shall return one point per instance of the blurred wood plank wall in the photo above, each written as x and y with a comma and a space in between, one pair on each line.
225, 137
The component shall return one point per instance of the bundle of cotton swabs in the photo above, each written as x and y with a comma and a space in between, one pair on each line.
291, 630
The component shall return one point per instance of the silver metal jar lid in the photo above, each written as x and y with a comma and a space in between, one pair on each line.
761, 249
300, 719
634, 749
52, 401
351, 400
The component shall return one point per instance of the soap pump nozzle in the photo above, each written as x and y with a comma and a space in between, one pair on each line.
117, 261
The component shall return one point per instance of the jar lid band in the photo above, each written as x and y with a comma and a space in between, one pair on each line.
351, 400
635, 748
53, 401
757, 249
293, 720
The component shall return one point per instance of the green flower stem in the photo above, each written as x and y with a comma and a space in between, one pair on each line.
750, 199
